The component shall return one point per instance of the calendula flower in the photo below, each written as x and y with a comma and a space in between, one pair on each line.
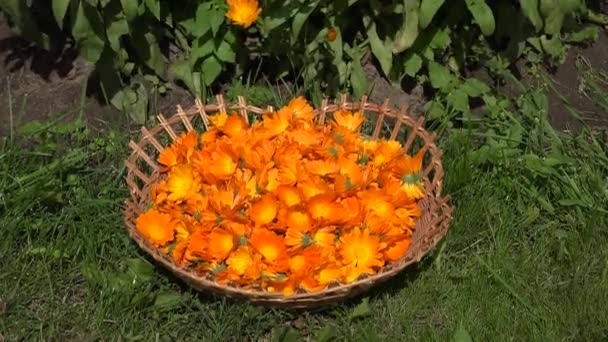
243, 12
288, 195
268, 244
349, 120
264, 211
156, 227
197, 245
300, 109
244, 263
182, 183
169, 157
361, 250
322, 167
220, 244
324, 208
331, 34
221, 165
330, 274
397, 250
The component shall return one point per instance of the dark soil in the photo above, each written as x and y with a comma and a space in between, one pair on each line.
35, 85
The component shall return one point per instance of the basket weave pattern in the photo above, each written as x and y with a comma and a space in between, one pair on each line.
431, 227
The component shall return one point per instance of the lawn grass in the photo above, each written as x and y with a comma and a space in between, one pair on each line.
525, 258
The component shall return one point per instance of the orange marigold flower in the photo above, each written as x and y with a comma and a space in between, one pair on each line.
324, 208
349, 120
271, 246
361, 249
312, 186
377, 202
169, 157
264, 211
330, 274
288, 195
234, 126
331, 34
243, 12
221, 165
298, 237
397, 250
386, 152
325, 237
241, 261
186, 143
182, 183
322, 167
156, 227
219, 245
296, 219
197, 245
301, 265
273, 125
218, 120
300, 109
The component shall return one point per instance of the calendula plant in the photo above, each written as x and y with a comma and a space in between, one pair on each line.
322, 44
284, 203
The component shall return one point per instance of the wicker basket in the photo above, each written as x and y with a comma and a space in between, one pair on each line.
431, 227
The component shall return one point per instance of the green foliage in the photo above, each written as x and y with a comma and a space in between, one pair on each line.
193, 42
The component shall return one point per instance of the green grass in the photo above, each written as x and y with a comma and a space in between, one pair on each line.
526, 258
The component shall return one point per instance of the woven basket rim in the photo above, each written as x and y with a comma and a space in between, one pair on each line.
436, 210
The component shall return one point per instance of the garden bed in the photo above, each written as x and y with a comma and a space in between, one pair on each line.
34, 85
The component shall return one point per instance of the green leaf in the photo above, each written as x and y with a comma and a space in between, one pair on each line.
530, 10
140, 268
358, 80
407, 34
216, 19
88, 31
147, 48
586, 34
154, 7
117, 27
167, 300
60, 8
441, 39
211, 69
285, 334
380, 50
134, 101
458, 99
474, 87
327, 333
182, 70
130, 8
225, 52
428, 9
553, 15
361, 310
277, 15
300, 18
435, 110
439, 75
482, 14
413, 64
462, 335
202, 47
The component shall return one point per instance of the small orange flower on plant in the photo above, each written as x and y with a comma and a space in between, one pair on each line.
243, 12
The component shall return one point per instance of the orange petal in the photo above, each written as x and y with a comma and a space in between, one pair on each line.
288, 195
156, 227
268, 244
264, 211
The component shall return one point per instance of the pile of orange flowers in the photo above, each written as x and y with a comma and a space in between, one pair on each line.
284, 203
